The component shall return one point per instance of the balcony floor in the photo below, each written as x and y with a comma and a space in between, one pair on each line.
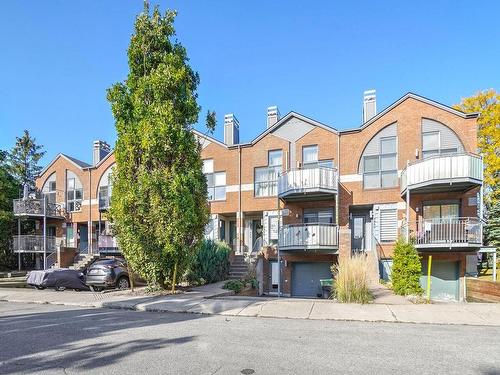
308, 195
312, 250
446, 247
447, 185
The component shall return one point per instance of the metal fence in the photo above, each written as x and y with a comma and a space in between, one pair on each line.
446, 231
35, 207
317, 235
307, 180
446, 167
33, 243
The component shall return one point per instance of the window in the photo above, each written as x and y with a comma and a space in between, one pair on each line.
266, 178
441, 211
50, 193
381, 171
74, 195
309, 155
318, 216
104, 196
216, 181
275, 158
105, 188
385, 218
69, 235
431, 145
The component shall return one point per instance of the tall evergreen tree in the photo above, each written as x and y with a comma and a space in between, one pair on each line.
8, 192
24, 158
159, 207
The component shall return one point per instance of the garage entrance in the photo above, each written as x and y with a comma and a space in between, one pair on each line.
306, 276
445, 282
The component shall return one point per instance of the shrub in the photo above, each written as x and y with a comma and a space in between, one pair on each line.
351, 282
406, 269
236, 285
210, 263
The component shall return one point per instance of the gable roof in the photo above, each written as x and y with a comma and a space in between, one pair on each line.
77, 163
420, 98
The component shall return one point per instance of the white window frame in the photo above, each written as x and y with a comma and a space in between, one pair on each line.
268, 187
379, 172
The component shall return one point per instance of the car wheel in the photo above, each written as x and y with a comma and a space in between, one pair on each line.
60, 288
123, 283
39, 287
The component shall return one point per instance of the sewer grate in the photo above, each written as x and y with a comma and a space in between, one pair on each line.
247, 371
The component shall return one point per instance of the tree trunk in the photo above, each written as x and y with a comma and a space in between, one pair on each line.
174, 277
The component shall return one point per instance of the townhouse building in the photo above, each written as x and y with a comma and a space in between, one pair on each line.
302, 195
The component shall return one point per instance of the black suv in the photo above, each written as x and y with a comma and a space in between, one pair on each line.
108, 273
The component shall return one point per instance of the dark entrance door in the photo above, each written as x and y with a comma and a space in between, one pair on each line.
358, 231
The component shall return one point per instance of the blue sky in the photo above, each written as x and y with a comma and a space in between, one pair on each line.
59, 57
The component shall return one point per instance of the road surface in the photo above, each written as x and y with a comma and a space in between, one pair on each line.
48, 339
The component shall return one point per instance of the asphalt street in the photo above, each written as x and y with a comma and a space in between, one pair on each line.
48, 339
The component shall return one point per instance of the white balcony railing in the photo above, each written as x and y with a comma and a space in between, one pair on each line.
308, 236
107, 242
308, 180
446, 232
34, 207
445, 168
34, 243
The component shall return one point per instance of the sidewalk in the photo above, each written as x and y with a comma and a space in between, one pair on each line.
212, 299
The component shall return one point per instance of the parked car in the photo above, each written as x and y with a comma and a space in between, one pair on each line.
108, 273
57, 278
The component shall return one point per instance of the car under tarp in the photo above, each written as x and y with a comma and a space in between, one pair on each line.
58, 278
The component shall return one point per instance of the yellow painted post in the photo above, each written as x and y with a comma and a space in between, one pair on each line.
429, 268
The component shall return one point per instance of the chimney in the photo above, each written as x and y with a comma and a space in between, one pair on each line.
231, 130
369, 105
100, 150
273, 116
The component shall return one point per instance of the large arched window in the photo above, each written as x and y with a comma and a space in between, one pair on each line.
49, 188
105, 188
74, 192
438, 139
379, 161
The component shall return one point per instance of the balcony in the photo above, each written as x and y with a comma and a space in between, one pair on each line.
316, 236
34, 208
307, 184
443, 173
107, 243
34, 243
463, 233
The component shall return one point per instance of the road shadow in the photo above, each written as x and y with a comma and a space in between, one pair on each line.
45, 340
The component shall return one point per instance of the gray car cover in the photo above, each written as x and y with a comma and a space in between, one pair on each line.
57, 278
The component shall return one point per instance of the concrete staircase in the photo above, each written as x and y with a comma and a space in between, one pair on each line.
82, 261
239, 267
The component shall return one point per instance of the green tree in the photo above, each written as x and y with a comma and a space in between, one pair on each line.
8, 192
487, 103
24, 158
406, 269
159, 207
492, 227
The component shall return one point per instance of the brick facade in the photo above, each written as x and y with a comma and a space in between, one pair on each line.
344, 148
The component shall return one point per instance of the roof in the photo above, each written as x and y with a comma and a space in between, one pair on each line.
78, 163
416, 97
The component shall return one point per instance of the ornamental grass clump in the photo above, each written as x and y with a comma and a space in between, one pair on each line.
351, 281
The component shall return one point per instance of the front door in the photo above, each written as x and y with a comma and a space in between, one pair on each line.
358, 232
83, 243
